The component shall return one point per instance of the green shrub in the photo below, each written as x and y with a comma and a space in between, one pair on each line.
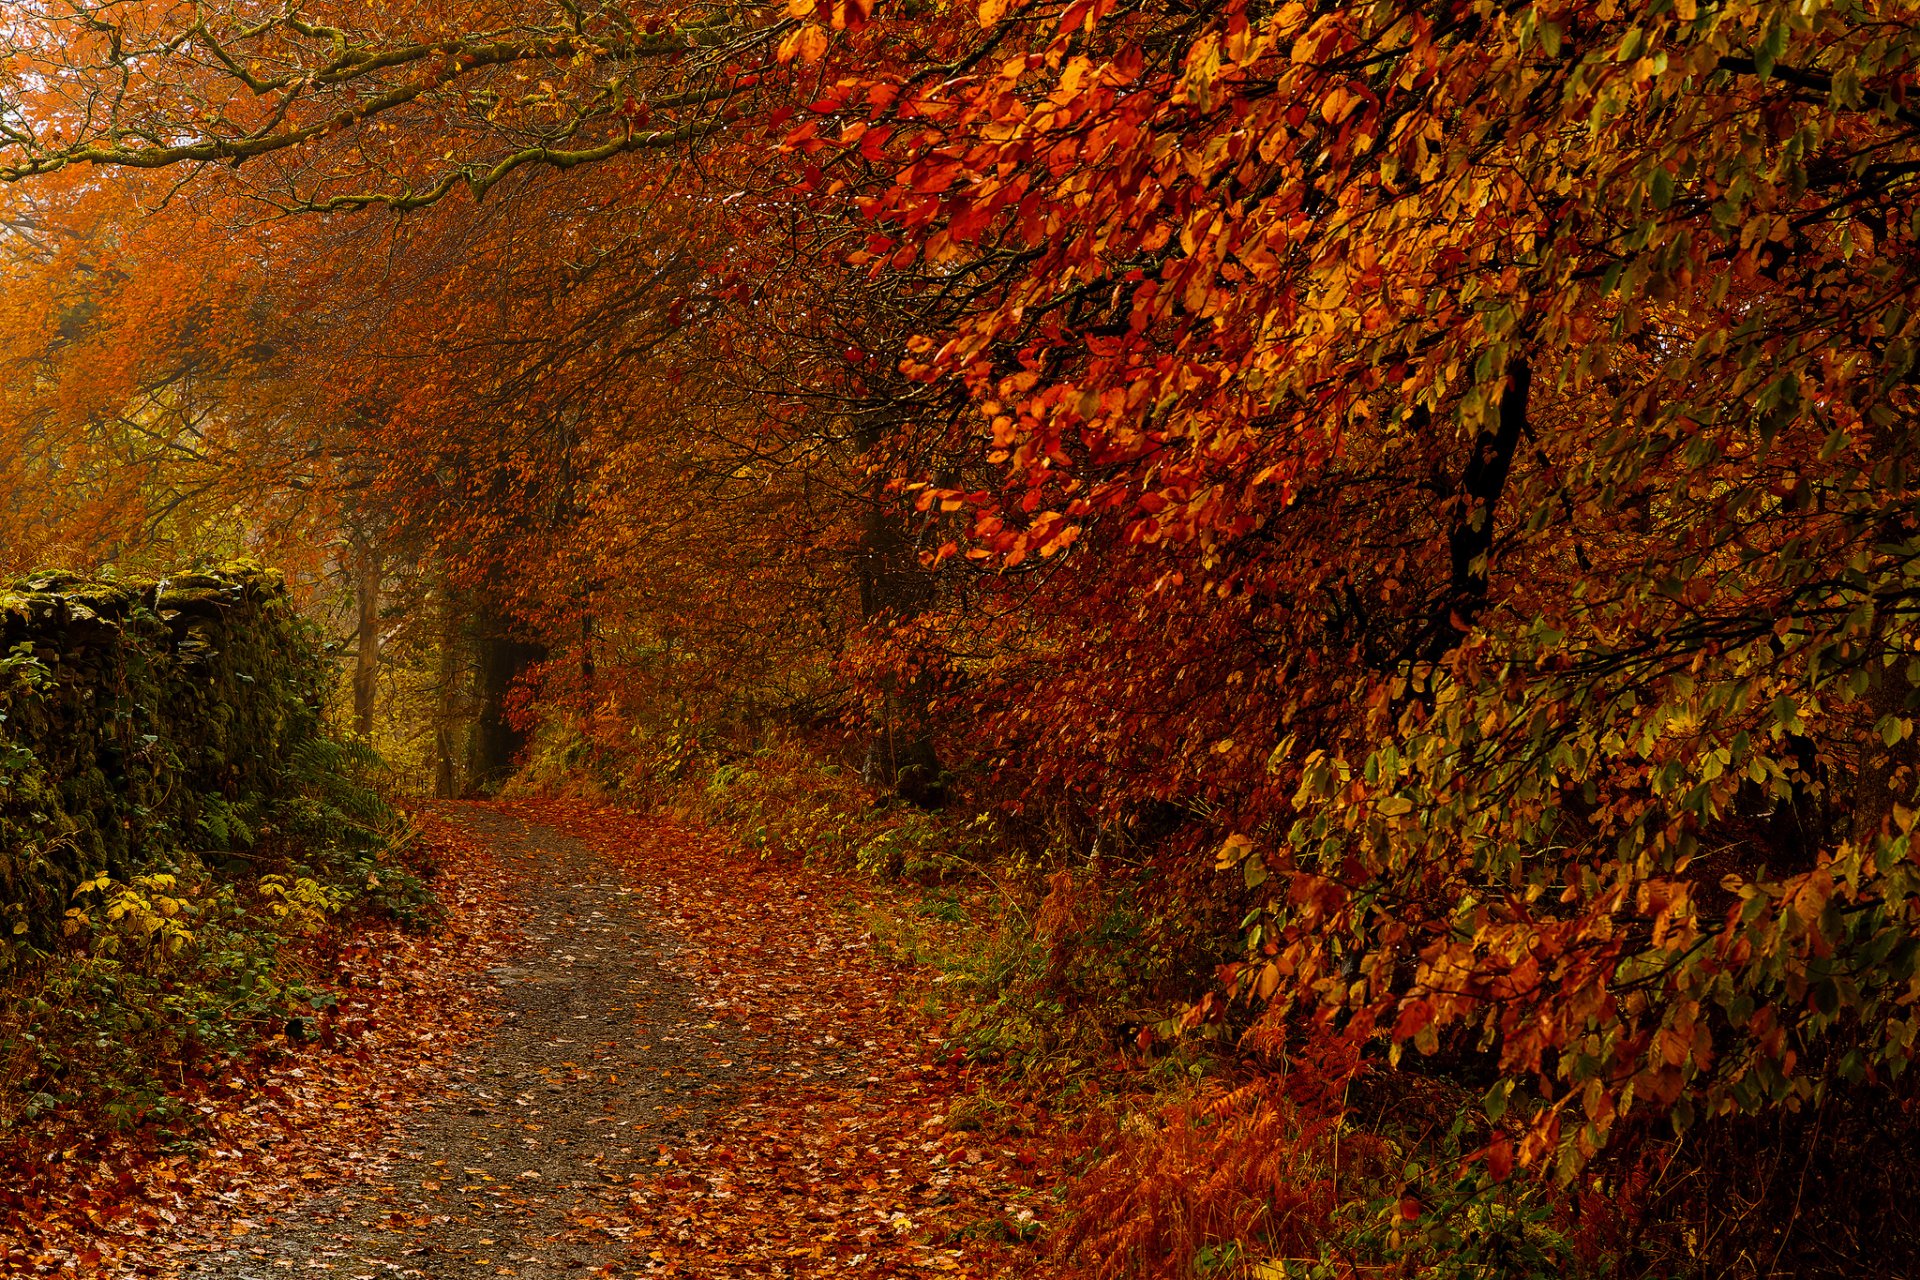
173, 819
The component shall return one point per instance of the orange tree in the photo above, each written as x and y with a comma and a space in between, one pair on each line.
1478, 443
341, 106
555, 426
151, 391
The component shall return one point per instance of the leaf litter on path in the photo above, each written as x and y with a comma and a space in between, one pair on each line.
635, 1050
274, 1129
834, 1156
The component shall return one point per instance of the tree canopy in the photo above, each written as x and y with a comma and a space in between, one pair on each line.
1438, 479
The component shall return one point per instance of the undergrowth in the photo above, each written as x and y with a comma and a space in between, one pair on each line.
1060, 970
171, 974
1065, 966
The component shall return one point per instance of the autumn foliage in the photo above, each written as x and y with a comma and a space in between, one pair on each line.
1414, 502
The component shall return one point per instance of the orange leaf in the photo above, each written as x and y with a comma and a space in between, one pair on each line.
807, 44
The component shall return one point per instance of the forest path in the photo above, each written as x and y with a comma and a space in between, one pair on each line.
601, 1056
698, 1065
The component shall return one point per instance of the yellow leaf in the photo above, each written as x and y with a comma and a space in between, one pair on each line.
1811, 900
807, 44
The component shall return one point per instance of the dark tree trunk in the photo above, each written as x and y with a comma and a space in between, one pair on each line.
895, 587
367, 571
1471, 539
494, 750
447, 700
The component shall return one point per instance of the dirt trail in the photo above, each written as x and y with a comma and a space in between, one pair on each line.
602, 1056
694, 1064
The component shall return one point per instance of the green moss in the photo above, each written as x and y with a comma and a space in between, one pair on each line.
142, 722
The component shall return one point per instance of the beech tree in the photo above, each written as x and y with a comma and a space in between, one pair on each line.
1617, 304
156, 84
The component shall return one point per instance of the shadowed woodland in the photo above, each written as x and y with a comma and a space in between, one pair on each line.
1295, 625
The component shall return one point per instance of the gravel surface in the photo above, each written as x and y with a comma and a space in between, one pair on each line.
603, 1056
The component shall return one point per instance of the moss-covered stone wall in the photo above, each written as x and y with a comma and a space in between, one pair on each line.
141, 721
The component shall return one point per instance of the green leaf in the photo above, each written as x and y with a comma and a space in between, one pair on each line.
1662, 188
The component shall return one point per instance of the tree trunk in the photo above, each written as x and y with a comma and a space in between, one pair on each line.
895, 587
367, 571
494, 750
1884, 775
446, 705
1471, 540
